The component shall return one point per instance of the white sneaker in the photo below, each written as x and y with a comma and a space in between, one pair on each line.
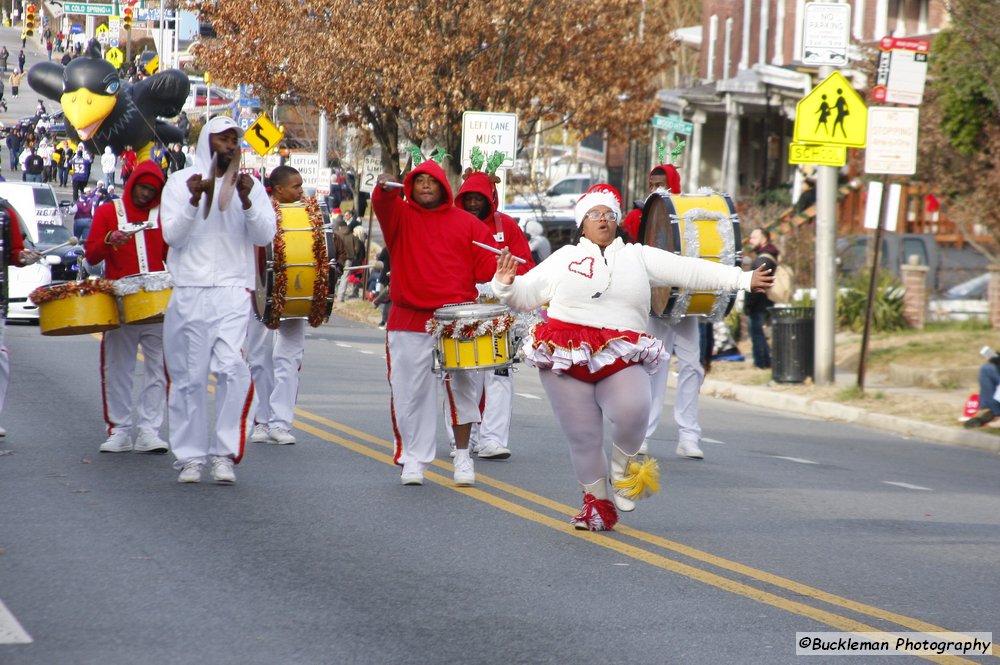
118, 442
690, 449
191, 473
261, 434
492, 450
3, 432
281, 436
644, 448
222, 470
146, 441
411, 477
465, 474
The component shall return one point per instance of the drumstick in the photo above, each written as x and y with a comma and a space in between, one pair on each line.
142, 227
357, 268
497, 251
391, 183
71, 241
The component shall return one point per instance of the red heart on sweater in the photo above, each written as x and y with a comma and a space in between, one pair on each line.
578, 267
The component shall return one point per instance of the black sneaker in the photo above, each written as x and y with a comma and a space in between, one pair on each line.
980, 419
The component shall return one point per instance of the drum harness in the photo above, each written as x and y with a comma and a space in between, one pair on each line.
138, 230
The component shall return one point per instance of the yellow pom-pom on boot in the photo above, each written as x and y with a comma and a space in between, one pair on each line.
631, 479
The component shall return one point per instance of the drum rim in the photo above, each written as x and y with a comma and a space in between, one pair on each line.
470, 310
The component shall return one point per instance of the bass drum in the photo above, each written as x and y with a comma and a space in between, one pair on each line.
703, 225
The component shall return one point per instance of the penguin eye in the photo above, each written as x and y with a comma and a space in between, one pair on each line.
112, 87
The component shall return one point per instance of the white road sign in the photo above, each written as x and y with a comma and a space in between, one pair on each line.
826, 33
490, 132
892, 140
323, 184
373, 166
902, 71
307, 164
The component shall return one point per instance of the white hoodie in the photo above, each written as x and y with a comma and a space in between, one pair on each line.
219, 250
108, 160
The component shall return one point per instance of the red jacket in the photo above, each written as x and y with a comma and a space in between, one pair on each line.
124, 260
497, 222
434, 262
13, 241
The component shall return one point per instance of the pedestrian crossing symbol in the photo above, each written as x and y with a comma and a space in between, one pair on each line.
833, 113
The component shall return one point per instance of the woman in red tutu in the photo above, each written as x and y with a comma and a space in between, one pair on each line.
592, 355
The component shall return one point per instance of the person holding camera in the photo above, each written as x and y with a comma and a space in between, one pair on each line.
989, 380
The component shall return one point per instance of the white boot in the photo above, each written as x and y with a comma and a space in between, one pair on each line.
632, 480
598, 513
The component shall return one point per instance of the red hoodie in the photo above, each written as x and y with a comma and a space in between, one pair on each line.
434, 262
13, 242
513, 237
632, 220
124, 260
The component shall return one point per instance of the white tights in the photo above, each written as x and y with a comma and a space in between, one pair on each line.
580, 408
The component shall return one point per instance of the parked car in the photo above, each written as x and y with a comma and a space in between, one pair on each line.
199, 97
560, 227
898, 249
971, 289
562, 195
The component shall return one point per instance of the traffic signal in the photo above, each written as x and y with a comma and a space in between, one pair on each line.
127, 18
29, 20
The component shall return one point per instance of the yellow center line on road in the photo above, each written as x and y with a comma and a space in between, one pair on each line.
822, 616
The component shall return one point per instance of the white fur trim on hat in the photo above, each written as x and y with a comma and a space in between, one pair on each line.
596, 198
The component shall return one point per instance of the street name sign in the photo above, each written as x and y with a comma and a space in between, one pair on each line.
892, 140
87, 9
490, 132
833, 113
826, 33
673, 123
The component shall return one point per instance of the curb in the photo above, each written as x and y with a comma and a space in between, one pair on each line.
835, 411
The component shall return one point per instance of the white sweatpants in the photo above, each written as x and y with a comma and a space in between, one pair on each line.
204, 332
413, 397
118, 359
4, 365
497, 409
680, 340
275, 358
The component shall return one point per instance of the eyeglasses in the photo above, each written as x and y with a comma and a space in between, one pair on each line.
594, 216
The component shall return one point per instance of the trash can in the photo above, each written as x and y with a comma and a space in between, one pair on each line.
792, 343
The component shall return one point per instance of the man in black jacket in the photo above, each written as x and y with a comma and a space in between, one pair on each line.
756, 304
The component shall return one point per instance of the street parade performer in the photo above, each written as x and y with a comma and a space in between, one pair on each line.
212, 239
478, 195
14, 254
434, 263
276, 346
126, 235
592, 354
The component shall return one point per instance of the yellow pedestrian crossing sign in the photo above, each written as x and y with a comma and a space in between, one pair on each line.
833, 113
263, 135
115, 57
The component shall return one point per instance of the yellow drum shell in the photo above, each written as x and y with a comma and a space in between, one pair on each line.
300, 268
145, 306
483, 352
78, 315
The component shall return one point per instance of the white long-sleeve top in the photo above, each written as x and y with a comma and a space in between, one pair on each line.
570, 278
218, 250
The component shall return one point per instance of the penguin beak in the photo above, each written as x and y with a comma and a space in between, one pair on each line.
86, 110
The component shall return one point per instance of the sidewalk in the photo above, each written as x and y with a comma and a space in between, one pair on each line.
780, 397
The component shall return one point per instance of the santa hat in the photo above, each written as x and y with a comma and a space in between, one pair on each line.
600, 194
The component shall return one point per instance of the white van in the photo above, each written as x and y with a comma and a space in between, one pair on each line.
562, 195
36, 203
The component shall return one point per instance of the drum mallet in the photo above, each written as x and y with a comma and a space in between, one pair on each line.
497, 251
70, 242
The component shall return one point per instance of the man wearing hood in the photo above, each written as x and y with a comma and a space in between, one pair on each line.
478, 195
681, 339
434, 263
125, 253
213, 217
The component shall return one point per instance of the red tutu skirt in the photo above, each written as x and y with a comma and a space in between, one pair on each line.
589, 354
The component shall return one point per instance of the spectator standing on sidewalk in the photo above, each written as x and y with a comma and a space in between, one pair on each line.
81, 171
4, 56
14, 146
989, 381
756, 304
129, 161
108, 163
15, 82
34, 166
20, 61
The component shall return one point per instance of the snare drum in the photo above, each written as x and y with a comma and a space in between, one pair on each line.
74, 310
699, 225
472, 336
286, 280
144, 297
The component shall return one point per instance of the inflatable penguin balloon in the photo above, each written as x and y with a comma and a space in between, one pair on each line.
103, 110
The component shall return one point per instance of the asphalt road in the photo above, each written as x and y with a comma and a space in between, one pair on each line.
318, 555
